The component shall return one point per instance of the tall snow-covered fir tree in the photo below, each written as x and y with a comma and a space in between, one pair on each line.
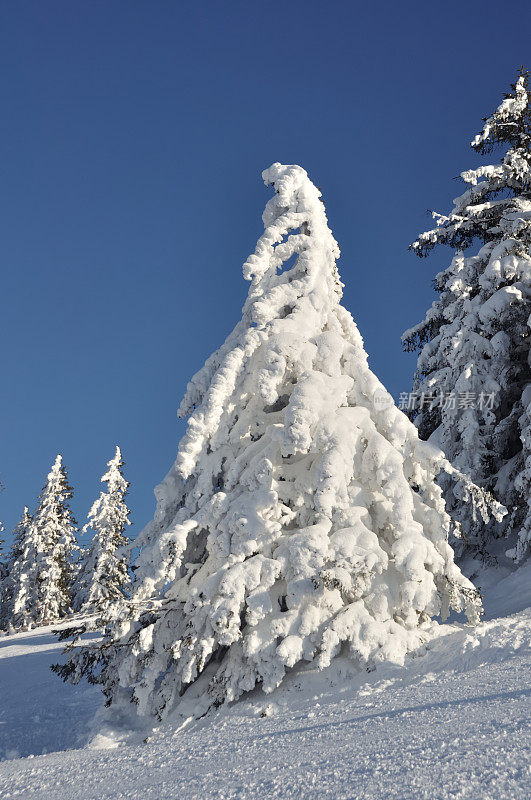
302, 513
41, 576
472, 391
103, 577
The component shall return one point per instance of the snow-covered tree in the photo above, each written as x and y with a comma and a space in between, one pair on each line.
2, 557
13, 568
472, 391
103, 577
3, 570
2, 543
302, 513
42, 574
19, 536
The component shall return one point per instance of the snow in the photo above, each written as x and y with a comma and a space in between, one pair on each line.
474, 342
510, 109
38, 713
453, 723
40, 569
301, 515
504, 592
298, 563
103, 577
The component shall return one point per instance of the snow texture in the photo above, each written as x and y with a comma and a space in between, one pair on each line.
452, 724
39, 714
301, 519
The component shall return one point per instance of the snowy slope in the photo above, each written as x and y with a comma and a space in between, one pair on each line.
454, 723
39, 714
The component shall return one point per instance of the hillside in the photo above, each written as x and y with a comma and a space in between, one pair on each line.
453, 723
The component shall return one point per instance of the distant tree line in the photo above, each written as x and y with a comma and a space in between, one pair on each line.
46, 575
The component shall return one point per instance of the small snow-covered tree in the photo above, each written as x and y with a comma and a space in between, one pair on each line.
2, 557
3, 571
473, 384
301, 513
19, 536
103, 577
42, 574
2, 543
13, 568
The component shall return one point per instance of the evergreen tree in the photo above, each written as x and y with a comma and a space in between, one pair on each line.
13, 568
3, 572
19, 536
103, 578
3, 566
473, 384
301, 514
42, 574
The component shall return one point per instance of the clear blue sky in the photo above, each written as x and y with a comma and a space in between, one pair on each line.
132, 140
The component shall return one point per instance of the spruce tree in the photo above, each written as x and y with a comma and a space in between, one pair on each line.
3, 574
3, 566
103, 578
301, 514
2, 544
42, 574
13, 568
472, 390
19, 536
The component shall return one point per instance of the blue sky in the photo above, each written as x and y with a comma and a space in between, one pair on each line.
132, 143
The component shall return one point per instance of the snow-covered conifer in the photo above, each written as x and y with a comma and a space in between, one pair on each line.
302, 513
103, 578
2, 543
42, 574
12, 568
473, 384
19, 536
2, 561
3, 573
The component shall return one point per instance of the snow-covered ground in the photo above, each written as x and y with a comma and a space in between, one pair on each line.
38, 713
453, 723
